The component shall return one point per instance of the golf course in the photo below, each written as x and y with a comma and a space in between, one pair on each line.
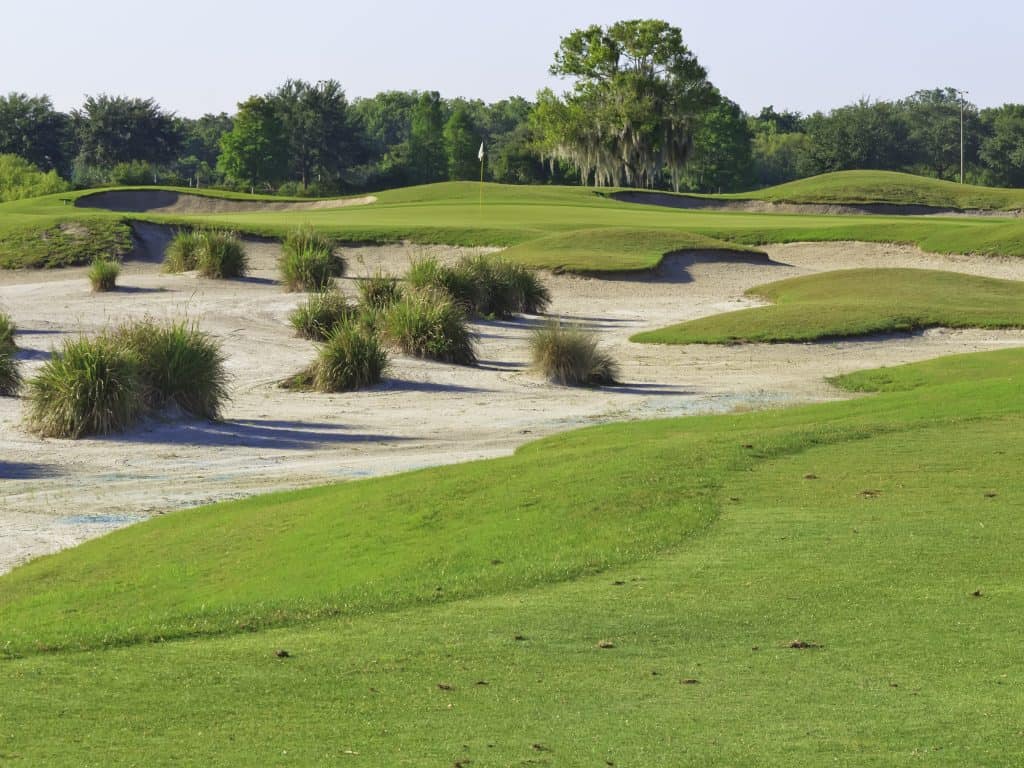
786, 530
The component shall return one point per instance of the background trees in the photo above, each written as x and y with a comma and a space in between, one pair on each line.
32, 129
255, 150
113, 130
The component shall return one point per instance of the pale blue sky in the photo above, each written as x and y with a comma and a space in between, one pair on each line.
196, 57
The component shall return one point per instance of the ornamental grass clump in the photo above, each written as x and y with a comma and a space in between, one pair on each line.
182, 252
179, 365
316, 317
428, 272
379, 291
7, 329
89, 387
351, 358
428, 323
485, 285
10, 374
308, 261
221, 255
103, 274
568, 355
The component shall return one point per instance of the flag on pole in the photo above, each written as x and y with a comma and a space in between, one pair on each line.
480, 154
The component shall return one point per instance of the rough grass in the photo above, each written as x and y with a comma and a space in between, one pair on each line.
857, 302
379, 291
308, 261
60, 241
88, 387
317, 317
179, 364
695, 551
427, 322
569, 355
103, 274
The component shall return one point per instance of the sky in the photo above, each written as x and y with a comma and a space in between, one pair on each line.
196, 57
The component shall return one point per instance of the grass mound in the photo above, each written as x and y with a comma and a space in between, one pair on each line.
857, 302
89, 387
429, 323
317, 317
308, 261
569, 355
103, 274
178, 364
379, 291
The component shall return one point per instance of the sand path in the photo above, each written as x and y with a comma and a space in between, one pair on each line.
56, 493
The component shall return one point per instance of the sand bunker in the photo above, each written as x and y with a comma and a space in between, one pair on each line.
56, 493
763, 206
163, 201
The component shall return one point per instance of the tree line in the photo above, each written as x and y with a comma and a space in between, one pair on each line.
639, 111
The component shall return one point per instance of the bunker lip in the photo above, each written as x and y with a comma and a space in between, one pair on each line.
687, 202
169, 201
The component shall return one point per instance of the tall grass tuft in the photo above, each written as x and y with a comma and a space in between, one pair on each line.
568, 355
7, 329
10, 374
530, 294
321, 312
428, 322
182, 254
379, 291
351, 358
178, 364
308, 261
91, 386
103, 274
221, 255
428, 272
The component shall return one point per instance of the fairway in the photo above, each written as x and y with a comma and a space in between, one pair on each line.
860, 302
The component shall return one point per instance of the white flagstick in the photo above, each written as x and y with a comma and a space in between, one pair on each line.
481, 156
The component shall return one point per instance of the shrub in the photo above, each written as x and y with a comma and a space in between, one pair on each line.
10, 375
103, 274
351, 358
321, 312
569, 356
91, 386
308, 261
428, 322
178, 364
20, 179
221, 255
182, 252
7, 329
379, 291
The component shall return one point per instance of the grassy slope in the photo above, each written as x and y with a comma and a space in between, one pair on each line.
542, 219
840, 525
857, 302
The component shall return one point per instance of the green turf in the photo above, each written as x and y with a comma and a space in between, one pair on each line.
862, 527
857, 302
545, 222
858, 187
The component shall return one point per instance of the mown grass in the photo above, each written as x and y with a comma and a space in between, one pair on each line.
62, 242
857, 302
564, 228
477, 596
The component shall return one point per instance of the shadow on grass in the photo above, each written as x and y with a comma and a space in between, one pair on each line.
20, 470
250, 433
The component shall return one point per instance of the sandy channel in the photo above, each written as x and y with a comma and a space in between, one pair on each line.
57, 493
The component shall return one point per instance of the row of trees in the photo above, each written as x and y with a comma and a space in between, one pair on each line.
640, 111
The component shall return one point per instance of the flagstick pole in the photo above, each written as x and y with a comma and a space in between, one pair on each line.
481, 186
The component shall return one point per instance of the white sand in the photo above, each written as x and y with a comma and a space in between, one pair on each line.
56, 493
